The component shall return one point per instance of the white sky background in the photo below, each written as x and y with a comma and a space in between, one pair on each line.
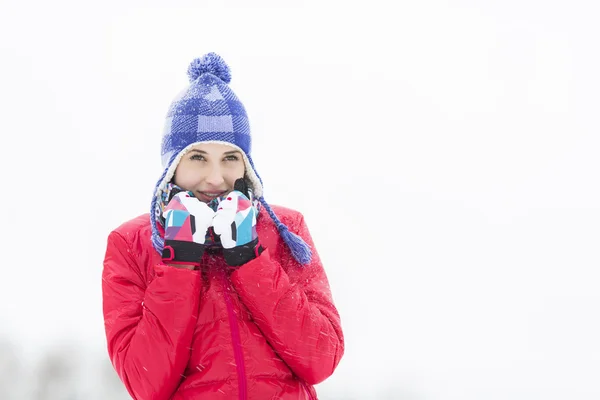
444, 154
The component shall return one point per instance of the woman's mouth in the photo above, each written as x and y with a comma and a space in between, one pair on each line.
209, 196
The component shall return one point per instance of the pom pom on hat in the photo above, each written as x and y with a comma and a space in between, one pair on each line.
210, 63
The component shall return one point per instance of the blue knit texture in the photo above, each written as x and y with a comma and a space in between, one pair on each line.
208, 110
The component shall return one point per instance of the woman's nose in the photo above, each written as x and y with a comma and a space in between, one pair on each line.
215, 176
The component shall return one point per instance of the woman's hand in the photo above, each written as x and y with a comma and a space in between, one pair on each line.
186, 221
235, 223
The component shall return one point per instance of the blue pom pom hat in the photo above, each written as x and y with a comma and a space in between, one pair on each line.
208, 111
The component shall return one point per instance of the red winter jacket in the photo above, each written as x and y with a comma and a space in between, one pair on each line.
268, 330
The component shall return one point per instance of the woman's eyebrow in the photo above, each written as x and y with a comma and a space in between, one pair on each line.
225, 153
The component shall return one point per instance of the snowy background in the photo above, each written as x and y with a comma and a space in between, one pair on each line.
444, 154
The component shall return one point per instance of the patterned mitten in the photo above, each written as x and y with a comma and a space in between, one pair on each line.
235, 223
186, 222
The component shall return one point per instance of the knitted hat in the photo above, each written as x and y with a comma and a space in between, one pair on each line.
208, 111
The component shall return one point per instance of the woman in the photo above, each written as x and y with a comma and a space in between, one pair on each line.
216, 294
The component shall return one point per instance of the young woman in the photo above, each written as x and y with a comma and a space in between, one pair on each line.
216, 294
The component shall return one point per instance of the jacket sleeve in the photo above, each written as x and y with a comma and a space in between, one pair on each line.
148, 329
294, 310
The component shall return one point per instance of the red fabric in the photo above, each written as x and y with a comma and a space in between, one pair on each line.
268, 330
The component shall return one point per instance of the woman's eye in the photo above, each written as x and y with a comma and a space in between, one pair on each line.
197, 157
232, 158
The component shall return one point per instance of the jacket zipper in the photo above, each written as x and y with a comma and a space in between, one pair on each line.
237, 342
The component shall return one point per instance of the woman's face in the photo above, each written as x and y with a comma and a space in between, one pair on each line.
210, 170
